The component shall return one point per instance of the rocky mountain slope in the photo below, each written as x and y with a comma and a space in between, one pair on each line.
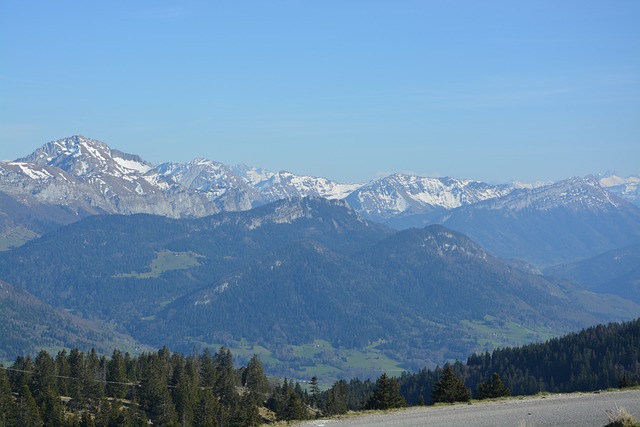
627, 188
404, 201
561, 222
68, 179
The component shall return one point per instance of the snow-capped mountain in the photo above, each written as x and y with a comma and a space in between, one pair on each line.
627, 188
405, 200
574, 193
88, 177
284, 185
560, 222
80, 176
213, 179
84, 157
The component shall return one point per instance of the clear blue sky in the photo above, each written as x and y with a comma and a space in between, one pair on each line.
347, 89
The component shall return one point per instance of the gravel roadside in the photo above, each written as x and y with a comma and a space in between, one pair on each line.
575, 409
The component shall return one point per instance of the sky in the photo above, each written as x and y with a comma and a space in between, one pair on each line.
348, 90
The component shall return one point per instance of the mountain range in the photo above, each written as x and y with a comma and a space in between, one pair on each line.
295, 272
301, 269
71, 178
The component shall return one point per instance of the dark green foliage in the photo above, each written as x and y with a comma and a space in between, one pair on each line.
8, 408
386, 394
336, 399
163, 388
596, 358
27, 412
208, 410
255, 380
314, 389
325, 275
493, 388
287, 402
117, 375
449, 388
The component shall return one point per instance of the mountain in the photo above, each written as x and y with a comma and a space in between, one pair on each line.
283, 185
68, 179
86, 175
561, 222
28, 324
627, 188
215, 180
297, 271
615, 272
404, 201
79, 266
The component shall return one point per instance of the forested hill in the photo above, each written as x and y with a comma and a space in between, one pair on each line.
77, 389
596, 358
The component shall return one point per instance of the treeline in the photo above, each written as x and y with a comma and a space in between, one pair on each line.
596, 358
600, 357
166, 389
171, 389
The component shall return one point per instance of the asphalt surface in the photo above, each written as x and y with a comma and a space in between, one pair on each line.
576, 409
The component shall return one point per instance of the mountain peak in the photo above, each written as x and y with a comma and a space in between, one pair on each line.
82, 156
576, 193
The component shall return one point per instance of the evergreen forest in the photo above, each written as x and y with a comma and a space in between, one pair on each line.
75, 388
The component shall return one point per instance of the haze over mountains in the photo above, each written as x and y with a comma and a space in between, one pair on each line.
208, 254
71, 178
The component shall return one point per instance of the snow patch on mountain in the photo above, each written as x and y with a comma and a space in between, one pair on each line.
398, 193
32, 172
133, 165
574, 193
627, 188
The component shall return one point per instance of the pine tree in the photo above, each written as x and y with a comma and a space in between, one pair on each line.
493, 388
63, 371
44, 377
207, 413
449, 388
386, 394
51, 408
254, 378
28, 414
117, 376
337, 397
225, 383
315, 390
8, 410
154, 393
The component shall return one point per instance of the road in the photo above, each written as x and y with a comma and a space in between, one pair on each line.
576, 409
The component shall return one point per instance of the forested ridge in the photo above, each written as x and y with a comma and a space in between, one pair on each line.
309, 269
171, 389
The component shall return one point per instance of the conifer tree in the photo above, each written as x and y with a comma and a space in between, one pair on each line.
493, 388
63, 372
386, 394
44, 377
254, 378
117, 376
51, 408
7, 401
449, 388
27, 412
337, 397
207, 413
315, 390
